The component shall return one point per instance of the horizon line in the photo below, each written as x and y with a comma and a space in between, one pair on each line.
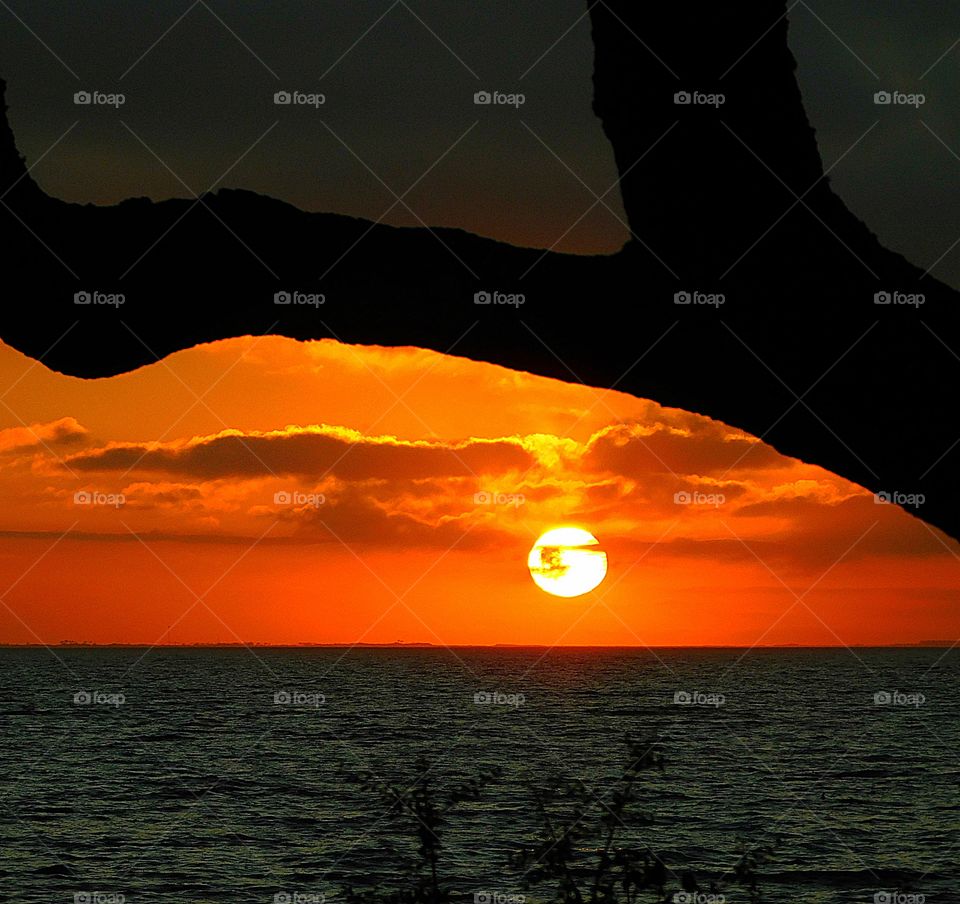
400, 644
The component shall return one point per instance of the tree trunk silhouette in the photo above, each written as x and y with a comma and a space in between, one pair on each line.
711, 179
799, 354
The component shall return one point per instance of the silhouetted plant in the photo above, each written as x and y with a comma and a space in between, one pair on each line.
583, 849
583, 852
579, 847
745, 869
424, 809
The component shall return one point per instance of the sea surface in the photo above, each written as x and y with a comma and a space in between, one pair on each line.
233, 775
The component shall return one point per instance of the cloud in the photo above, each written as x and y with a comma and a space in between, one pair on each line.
311, 451
824, 531
697, 483
689, 445
66, 431
354, 516
163, 495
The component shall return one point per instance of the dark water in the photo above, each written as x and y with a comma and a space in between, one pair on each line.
198, 787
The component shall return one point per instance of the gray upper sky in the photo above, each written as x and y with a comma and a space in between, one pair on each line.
399, 80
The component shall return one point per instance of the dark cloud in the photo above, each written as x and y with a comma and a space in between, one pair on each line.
814, 535
824, 531
147, 496
312, 452
705, 448
354, 516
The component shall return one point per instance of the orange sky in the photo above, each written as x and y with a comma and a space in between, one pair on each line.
382, 453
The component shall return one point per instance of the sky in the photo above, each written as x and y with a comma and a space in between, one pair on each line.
264, 490
399, 79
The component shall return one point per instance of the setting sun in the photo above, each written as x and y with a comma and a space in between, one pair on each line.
563, 562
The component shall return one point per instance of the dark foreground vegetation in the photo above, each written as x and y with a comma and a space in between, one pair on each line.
586, 850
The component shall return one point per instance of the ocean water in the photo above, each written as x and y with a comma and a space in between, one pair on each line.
227, 774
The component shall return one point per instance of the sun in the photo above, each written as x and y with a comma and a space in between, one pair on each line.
565, 562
